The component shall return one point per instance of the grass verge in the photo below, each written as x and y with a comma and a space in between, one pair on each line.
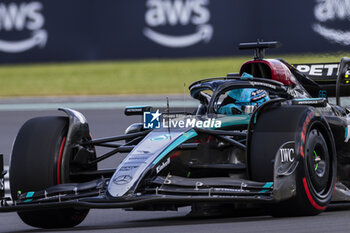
123, 77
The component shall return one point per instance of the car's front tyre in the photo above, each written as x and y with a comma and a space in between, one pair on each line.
36, 161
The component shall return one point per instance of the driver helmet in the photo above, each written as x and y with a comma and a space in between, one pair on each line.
249, 96
238, 99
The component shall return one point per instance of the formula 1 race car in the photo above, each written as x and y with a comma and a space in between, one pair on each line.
269, 136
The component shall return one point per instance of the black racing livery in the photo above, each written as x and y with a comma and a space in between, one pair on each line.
270, 136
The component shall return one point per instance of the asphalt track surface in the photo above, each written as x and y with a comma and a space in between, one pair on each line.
111, 121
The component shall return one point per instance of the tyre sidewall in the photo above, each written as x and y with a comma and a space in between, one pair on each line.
34, 166
305, 191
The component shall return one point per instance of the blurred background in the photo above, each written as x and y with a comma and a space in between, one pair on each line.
65, 30
108, 47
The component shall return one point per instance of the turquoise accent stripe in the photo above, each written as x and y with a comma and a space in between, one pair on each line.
268, 185
28, 200
309, 99
255, 116
133, 107
233, 120
29, 194
264, 191
184, 137
346, 132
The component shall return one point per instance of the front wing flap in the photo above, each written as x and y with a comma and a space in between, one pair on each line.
170, 190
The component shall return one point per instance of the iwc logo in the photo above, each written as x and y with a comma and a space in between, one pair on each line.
193, 15
329, 13
287, 153
21, 26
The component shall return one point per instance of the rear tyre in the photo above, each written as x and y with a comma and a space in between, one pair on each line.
314, 149
35, 165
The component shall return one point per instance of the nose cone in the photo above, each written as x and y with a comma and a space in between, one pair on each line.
132, 169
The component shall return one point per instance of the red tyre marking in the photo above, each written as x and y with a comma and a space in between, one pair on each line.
303, 137
313, 203
60, 161
302, 151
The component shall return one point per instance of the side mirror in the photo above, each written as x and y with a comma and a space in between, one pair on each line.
343, 78
136, 110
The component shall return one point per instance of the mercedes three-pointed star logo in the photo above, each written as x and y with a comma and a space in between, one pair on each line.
124, 179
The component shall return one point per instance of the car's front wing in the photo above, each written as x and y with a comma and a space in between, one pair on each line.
170, 190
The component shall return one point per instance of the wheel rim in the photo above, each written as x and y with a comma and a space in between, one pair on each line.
318, 164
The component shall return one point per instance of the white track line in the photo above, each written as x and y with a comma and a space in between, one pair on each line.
96, 105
